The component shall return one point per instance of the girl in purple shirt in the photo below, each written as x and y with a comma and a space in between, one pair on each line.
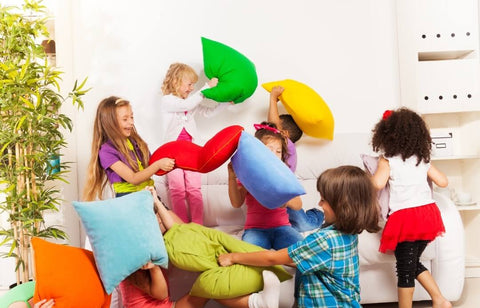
119, 155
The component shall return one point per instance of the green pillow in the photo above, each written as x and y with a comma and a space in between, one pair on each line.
20, 293
193, 247
237, 77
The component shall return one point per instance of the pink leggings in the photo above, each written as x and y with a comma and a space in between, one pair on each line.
184, 187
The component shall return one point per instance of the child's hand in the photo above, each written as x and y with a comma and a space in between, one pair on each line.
212, 82
44, 304
148, 266
225, 260
166, 164
276, 92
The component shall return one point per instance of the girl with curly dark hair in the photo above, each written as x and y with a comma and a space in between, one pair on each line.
403, 140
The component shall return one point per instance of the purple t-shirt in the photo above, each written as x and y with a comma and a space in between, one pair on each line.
292, 158
108, 155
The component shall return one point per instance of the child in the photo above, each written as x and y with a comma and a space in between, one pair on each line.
267, 228
300, 219
148, 287
119, 154
179, 110
328, 258
404, 141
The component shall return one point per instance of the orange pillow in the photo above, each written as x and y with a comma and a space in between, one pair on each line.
68, 275
190, 156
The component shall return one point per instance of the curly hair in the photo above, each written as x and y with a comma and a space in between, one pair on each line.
352, 197
289, 124
403, 133
173, 79
264, 135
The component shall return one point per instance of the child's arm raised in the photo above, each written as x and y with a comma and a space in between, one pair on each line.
259, 258
135, 178
236, 192
382, 174
273, 115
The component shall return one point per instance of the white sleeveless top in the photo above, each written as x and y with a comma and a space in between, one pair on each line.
408, 183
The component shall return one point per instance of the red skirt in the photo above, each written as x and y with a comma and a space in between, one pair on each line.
412, 224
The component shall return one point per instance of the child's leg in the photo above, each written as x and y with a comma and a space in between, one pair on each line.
193, 187
406, 255
189, 301
427, 281
268, 298
285, 236
305, 220
176, 189
259, 237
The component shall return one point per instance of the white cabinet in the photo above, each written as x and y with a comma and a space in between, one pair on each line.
438, 44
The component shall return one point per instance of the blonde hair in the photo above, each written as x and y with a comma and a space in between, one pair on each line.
173, 79
107, 129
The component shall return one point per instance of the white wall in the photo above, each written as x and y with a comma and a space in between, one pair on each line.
345, 50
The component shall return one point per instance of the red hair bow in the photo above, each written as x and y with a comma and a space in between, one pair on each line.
387, 114
263, 126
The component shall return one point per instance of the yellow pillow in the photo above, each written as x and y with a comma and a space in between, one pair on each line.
307, 108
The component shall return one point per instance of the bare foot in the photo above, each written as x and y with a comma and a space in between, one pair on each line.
443, 304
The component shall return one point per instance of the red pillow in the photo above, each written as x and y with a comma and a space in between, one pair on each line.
67, 275
190, 156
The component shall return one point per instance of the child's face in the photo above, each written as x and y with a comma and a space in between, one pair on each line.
275, 146
186, 87
125, 119
327, 211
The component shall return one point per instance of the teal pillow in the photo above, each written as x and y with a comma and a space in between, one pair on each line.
237, 77
193, 247
124, 234
266, 177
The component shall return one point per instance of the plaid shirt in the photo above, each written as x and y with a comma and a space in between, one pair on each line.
328, 263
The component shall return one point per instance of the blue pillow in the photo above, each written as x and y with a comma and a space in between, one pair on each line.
265, 176
124, 234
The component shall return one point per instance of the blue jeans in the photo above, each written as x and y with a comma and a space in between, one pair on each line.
276, 238
305, 220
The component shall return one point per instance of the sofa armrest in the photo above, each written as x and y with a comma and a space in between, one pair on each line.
448, 268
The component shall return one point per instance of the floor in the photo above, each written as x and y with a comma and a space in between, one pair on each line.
470, 298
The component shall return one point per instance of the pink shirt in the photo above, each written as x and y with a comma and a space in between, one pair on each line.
133, 297
261, 217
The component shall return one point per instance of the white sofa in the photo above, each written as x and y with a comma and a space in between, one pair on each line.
444, 257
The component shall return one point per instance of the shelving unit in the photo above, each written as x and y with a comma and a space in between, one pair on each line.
439, 55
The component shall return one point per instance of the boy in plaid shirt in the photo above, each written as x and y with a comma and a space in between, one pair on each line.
328, 258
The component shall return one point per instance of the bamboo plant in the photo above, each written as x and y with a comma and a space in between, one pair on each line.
32, 132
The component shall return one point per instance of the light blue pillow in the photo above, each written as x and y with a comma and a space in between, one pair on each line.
265, 176
124, 234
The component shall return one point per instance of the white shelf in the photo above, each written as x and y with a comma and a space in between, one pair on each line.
455, 157
468, 207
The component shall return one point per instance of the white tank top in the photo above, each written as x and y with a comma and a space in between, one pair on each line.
408, 183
